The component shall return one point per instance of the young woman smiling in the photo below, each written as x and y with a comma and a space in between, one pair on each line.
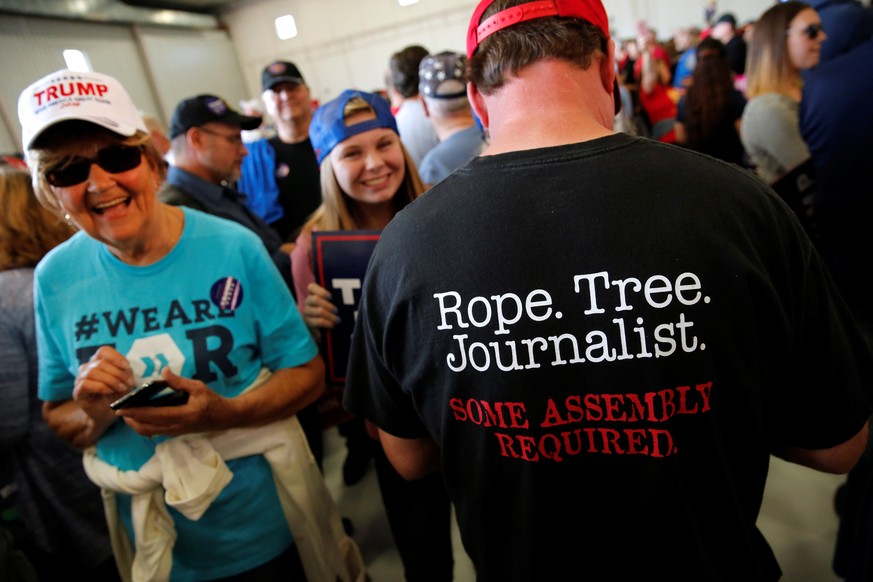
367, 177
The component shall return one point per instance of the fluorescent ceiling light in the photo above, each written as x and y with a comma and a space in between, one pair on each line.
77, 60
407, 2
286, 27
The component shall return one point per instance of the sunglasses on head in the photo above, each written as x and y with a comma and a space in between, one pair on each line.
113, 159
812, 31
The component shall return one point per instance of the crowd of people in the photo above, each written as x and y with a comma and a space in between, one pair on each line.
588, 323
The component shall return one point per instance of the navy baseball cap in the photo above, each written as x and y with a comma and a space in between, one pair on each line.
280, 72
195, 111
729, 18
328, 127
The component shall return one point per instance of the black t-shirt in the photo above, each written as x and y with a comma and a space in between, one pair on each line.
297, 176
736, 54
606, 340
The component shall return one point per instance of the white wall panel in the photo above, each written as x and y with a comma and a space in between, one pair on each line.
33, 47
183, 63
157, 65
347, 43
342, 43
666, 16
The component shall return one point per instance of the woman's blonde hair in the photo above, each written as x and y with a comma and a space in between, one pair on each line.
768, 67
338, 211
27, 230
58, 142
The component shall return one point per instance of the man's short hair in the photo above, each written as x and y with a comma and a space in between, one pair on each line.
403, 68
727, 18
507, 51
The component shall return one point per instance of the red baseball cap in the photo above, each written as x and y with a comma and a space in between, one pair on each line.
588, 10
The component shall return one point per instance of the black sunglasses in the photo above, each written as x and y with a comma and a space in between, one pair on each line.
114, 159
810, 31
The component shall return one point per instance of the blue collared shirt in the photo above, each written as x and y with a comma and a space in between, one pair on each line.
225, 202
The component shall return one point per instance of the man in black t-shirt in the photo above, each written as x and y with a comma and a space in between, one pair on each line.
599, 339
281, 179
725, 30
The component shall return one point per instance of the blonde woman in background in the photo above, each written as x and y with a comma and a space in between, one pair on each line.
787, 40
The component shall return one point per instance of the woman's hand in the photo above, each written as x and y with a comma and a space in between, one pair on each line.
105, 377
83, 420
318, 311
284, 393
200, 414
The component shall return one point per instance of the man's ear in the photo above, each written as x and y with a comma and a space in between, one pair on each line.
192, 137
607, 68
477, 102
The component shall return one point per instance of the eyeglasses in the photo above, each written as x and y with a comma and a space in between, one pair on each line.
233, 139
810, 31
113, 159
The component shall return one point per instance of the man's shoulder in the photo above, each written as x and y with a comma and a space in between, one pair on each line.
612, 154
258, 150
176, 196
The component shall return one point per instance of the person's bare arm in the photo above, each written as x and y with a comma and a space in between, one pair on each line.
412, 458
103, 378
838, 460
285, 393
648, 74
679, 130
663, 70
70, 422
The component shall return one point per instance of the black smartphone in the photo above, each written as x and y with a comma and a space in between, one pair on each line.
151, 394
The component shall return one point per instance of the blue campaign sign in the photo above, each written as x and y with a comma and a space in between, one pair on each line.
341, 259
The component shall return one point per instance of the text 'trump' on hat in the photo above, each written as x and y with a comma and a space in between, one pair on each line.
588, 10
280, 72
84, 96
328, 127
441, 76
195, 111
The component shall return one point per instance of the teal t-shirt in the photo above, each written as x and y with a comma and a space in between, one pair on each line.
215, 309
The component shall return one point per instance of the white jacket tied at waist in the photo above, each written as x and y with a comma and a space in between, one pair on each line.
192, 472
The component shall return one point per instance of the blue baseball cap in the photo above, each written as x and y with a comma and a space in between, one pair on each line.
328, 127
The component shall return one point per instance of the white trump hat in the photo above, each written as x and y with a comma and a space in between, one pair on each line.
69, 95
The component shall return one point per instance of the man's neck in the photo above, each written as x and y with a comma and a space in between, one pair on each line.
446, 127
295, 131
576, 108
200, 171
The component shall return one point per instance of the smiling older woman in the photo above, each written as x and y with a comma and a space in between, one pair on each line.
148, 291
